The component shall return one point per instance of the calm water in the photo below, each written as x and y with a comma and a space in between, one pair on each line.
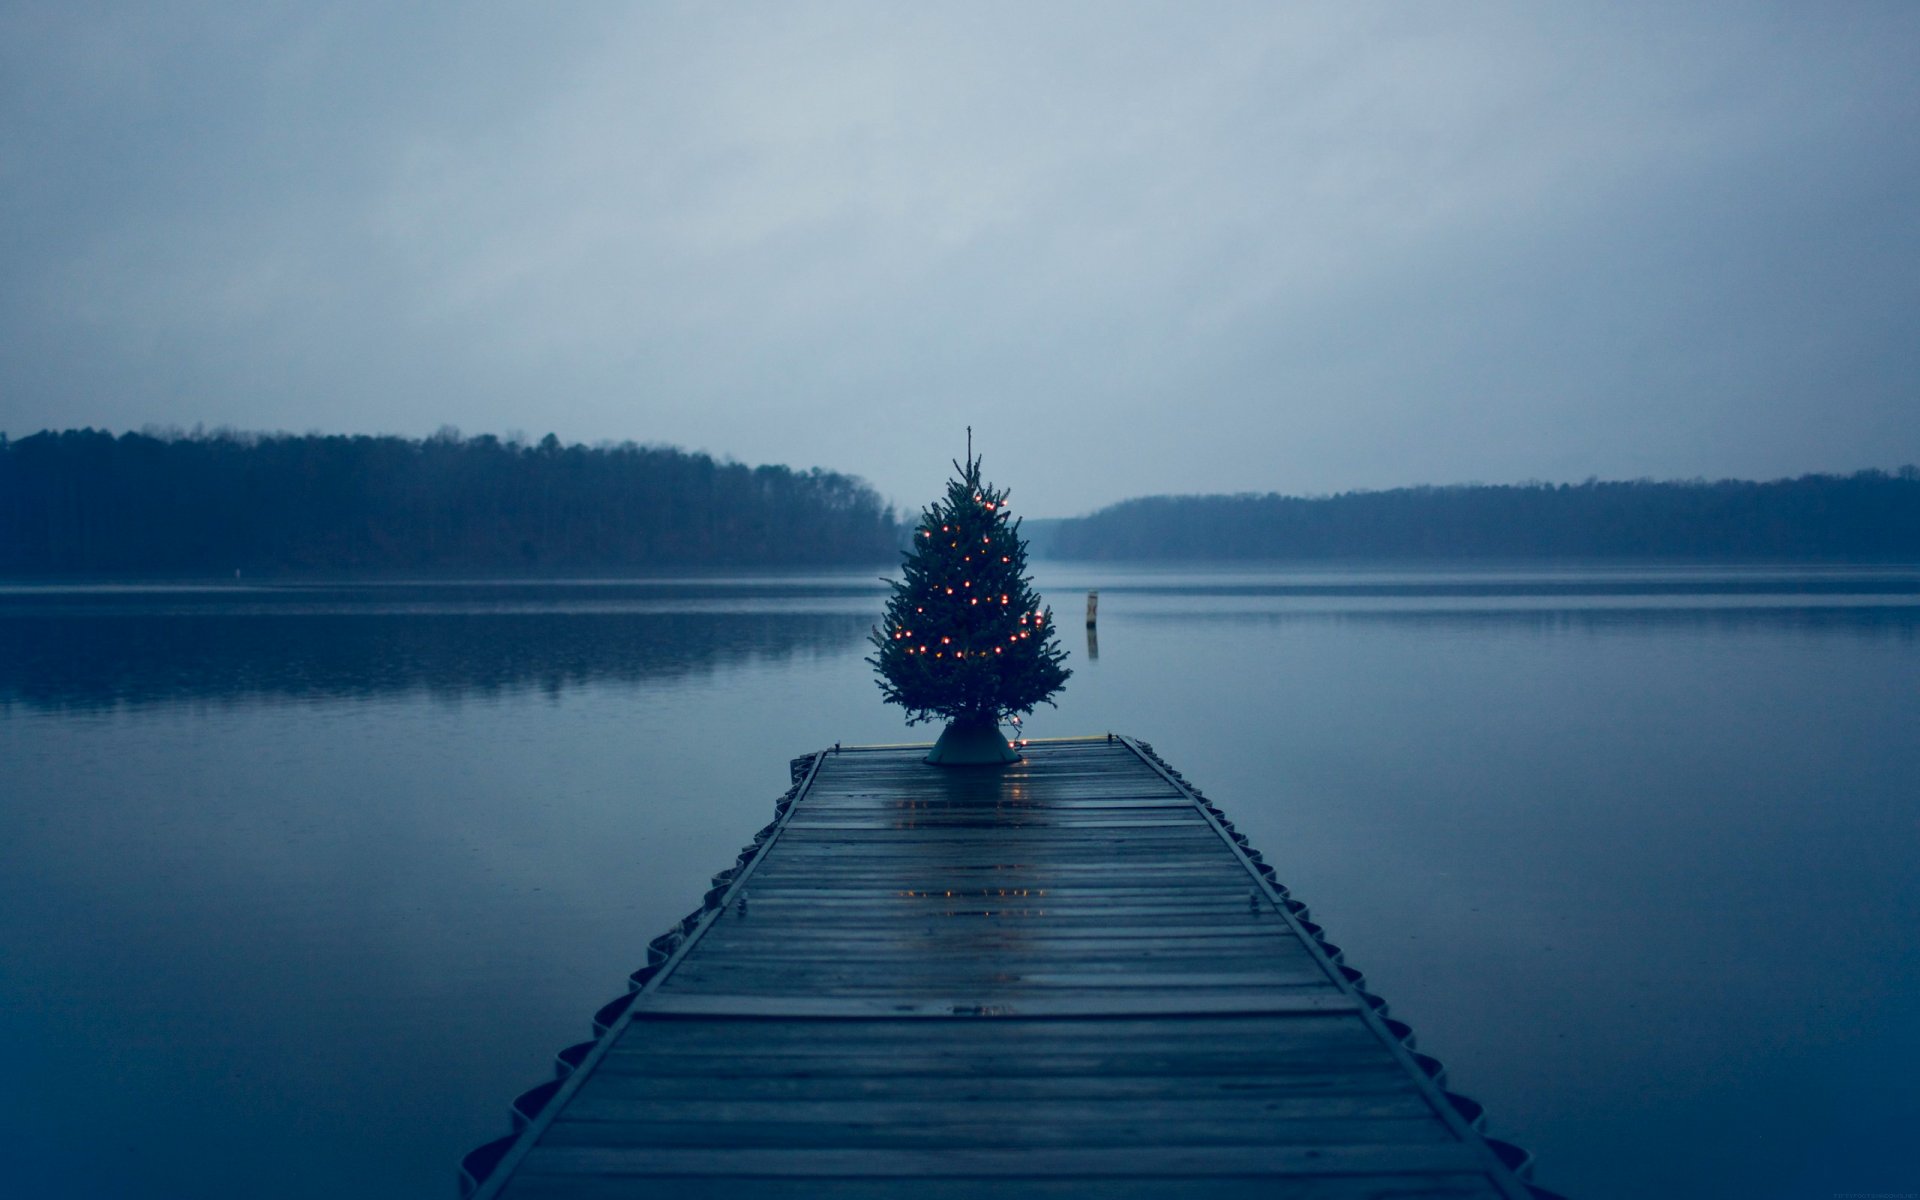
299, 886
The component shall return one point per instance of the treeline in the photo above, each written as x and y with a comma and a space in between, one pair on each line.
1868, 516
87, 503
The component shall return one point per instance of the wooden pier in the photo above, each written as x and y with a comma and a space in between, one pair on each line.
1068, 977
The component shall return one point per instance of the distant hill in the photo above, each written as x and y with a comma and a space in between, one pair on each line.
88, 503
1868, 516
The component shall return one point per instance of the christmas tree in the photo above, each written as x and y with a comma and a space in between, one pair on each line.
966, 637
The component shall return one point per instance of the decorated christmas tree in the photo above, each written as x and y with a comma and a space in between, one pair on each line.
966, 638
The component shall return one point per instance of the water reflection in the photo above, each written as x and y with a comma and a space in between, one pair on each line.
1873, 620
85, 661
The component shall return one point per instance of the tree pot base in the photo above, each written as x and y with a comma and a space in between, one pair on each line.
972, 743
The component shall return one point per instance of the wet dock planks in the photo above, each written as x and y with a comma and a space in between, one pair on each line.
1064, 978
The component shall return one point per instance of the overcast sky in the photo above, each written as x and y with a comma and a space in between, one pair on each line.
1140, 248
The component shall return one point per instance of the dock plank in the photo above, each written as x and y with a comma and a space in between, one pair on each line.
1059, 979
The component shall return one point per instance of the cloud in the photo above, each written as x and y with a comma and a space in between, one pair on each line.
1138, 247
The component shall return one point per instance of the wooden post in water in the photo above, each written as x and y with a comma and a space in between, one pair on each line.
1093, 608
1093, 631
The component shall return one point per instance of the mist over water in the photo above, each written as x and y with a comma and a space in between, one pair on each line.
299, 886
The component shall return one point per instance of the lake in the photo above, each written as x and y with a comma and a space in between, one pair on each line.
300, 885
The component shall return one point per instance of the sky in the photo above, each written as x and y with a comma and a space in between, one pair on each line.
1139, 248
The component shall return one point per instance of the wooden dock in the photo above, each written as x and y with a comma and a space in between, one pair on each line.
1068, 977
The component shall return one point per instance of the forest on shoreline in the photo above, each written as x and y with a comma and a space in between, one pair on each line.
85, 503
90, 504
1868, 516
